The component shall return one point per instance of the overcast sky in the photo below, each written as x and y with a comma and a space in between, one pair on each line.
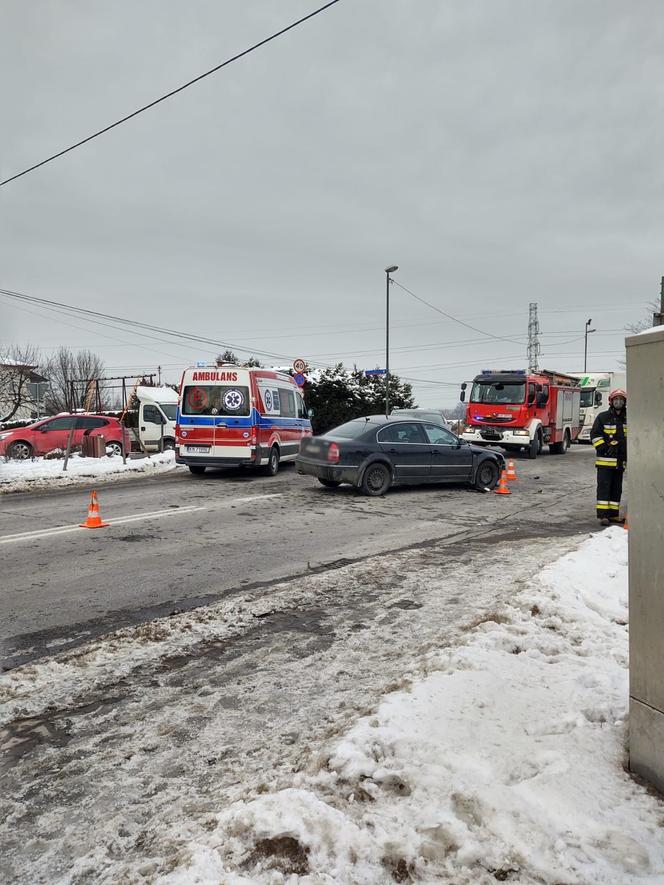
499, 152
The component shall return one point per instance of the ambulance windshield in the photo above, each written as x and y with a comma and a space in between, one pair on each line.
498, 392
215, 399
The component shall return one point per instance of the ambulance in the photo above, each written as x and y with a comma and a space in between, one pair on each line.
229, 416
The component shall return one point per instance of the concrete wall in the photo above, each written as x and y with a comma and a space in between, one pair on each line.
645, 476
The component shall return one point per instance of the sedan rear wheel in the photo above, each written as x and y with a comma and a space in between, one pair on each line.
376, 480
487, 475
329, 483
113, 448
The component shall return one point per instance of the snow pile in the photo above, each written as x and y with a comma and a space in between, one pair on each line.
22, 476
505, 762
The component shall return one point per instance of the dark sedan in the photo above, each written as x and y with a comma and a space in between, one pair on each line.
375, 453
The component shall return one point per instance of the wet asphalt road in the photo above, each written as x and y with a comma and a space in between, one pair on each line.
177, 541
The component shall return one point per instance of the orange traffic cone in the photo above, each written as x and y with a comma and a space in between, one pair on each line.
502, 485
511, 471
94, 517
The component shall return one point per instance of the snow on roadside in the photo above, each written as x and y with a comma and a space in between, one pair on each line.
23, 476
505, 762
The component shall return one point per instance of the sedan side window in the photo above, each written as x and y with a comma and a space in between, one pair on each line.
90, 423
439, 436
59, 424
401, 433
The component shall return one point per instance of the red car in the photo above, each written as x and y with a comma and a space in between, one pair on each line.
52, 433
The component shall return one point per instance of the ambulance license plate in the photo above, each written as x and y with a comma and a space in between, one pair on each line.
199, 450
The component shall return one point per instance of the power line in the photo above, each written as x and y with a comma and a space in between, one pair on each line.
454, 319
102, 319
173, 92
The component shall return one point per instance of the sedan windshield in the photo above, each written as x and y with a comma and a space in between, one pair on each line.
498, 392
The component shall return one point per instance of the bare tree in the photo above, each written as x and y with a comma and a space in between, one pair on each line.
635, 328
17, 375
66, 367
457, 413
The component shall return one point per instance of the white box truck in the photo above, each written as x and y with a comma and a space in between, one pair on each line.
595, 389
157, 414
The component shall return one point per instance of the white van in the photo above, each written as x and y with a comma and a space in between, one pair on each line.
156, 417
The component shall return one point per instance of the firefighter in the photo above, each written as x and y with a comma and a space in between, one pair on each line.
609, 436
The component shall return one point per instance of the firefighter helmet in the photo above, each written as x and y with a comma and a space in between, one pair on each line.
616, 393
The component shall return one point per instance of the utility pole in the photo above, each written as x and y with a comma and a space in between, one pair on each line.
159, 370
658, 318
585, 346
533, 338
393, 268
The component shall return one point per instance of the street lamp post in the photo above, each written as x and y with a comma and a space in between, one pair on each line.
388, 270
585, 348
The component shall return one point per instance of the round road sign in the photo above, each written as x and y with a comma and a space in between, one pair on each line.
300, 380
299, 366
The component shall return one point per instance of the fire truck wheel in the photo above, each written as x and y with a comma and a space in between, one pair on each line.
560, 448
197, 469
272, 466
535, 446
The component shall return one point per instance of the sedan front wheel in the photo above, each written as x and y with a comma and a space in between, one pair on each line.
487, 475
20, 450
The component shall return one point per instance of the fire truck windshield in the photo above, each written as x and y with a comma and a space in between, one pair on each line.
498, 392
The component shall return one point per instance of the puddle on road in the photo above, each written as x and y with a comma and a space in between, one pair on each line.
53, 729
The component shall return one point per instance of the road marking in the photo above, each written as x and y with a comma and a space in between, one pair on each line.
121, 520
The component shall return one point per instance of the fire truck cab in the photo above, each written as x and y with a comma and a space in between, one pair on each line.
517, 410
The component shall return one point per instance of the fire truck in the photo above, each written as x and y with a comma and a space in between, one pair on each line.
525, 411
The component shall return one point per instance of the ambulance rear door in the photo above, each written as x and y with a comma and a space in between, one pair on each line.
232, 410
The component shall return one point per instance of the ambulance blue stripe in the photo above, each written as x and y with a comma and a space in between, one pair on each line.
249, 421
